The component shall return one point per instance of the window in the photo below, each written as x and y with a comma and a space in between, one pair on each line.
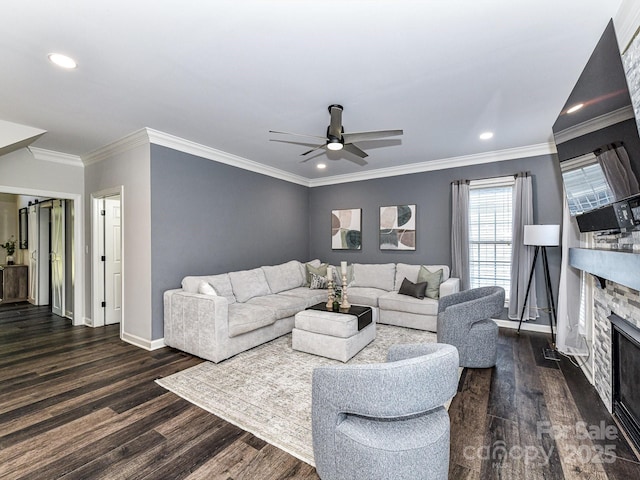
490, 232
585, 184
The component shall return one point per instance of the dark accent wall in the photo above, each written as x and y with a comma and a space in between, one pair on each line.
431, 192
209, 218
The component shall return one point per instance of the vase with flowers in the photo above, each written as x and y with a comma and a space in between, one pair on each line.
10, 247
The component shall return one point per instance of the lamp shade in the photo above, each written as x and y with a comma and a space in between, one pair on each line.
542, 235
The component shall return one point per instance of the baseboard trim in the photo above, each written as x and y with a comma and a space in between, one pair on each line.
142, 342
87, 321
528, 327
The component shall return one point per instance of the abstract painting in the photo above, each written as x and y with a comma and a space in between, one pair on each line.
346, 229
398, 227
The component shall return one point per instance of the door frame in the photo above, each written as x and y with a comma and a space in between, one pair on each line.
97, 270
78, 236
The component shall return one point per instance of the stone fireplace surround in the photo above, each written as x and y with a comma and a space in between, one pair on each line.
611, 298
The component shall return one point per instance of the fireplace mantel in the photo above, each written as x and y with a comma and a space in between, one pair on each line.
618, 267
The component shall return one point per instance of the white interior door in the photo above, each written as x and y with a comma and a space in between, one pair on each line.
57, 258
113, 261
33, 242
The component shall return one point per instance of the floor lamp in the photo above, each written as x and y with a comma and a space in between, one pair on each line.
541, 237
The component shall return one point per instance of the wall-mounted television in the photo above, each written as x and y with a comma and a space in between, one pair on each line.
596, 135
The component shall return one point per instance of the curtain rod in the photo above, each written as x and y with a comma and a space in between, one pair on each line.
514, 175
607, 147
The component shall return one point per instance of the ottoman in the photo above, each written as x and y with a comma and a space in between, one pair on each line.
330, 334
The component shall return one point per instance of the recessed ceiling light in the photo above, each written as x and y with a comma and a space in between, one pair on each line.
575, 108
62, 60
321, 166
486, 135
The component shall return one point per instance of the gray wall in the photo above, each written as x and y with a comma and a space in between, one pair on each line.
208, 218
431, 192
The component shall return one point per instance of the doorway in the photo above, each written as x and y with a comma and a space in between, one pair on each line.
107, 263
74, 302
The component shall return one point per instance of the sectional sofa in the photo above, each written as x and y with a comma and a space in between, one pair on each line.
217, 316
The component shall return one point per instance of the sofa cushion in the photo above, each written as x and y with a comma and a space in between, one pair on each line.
248, 284
283, 305
393, 301
410, 272
309, 295
220, 283
413, 289
364, 296
433, 279
381, 275
244, 318
283, 277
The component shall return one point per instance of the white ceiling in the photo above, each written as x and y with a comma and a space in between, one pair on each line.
223, 73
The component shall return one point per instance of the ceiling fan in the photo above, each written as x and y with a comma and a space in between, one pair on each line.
336, 138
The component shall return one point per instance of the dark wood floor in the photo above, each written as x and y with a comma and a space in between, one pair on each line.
78, 403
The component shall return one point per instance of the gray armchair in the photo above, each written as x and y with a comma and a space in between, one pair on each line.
385, 421
464, 321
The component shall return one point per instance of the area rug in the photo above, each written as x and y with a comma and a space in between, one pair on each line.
267, 390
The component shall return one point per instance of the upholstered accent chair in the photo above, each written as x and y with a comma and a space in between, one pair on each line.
464, 321
385, 421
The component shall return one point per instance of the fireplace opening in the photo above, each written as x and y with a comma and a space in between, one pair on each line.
626, 376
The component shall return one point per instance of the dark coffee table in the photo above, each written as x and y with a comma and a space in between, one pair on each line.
364, 313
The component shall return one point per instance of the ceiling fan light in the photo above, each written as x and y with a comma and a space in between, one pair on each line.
334, 144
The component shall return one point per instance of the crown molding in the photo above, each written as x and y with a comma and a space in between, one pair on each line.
193, 148
595, 124
147, 136
136, 139
56, 157
441, 164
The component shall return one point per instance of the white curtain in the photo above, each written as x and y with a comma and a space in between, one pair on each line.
460, 232
521, 255
570, 329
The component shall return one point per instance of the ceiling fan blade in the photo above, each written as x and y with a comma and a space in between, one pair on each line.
297, 134
351, 148
359, 136
357, 160
335, 127
313, 149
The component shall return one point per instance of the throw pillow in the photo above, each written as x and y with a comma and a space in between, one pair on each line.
311, 270
206, 289
413, 289
433, 279
318, 282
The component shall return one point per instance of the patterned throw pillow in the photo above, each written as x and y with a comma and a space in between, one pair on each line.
318, 281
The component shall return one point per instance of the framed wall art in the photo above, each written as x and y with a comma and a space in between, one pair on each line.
346, 229
398, 227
